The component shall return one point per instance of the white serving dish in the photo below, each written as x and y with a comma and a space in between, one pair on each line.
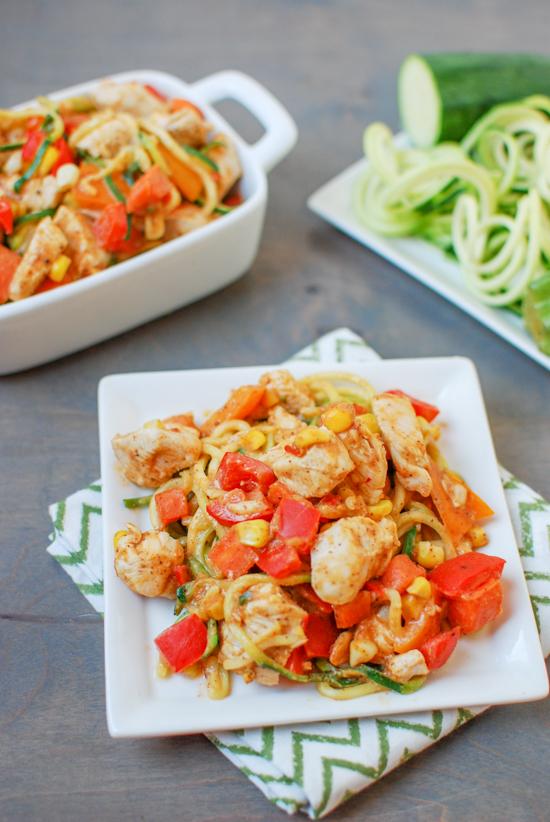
58, 322
503, 663
418, 258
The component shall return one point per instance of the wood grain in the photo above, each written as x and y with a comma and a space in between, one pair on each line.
334, 65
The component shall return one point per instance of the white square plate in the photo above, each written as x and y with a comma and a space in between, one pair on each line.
503, 663
418, 258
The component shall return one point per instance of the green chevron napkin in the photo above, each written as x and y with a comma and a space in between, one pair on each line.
315, 767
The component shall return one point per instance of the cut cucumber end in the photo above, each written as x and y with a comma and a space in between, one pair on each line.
419, 102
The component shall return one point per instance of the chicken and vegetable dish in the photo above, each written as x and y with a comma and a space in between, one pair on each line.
308, 530
93, 180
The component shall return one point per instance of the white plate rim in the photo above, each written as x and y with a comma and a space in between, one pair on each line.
134, 716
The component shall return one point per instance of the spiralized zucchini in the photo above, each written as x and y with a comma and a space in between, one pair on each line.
484, 200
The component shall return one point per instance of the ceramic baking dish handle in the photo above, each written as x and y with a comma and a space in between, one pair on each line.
280, 129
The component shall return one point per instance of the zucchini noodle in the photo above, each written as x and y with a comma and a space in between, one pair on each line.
394, 616
350, 691
421, 514
485, 200
339, 386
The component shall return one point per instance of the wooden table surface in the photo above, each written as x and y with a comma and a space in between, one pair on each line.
334, 65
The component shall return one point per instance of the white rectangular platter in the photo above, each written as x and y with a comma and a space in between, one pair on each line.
503, 663
418, 258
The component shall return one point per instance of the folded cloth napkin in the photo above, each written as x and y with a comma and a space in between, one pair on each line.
315, 767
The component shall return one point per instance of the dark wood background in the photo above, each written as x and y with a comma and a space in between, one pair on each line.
334, 65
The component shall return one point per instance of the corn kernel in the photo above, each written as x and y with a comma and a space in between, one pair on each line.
60, 268
253, 440
153, 424
360, 651
118, 536
367, 424
420, 587
48, 160
478, 537
254, 533
411, 606
337, 420
429, 554
163, 669
310, 436
380, 509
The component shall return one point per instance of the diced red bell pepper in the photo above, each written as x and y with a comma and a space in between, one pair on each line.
151, 189
111, 227
181, 574
421, 408
65, 155
473, 610
35, 138
353, 612
401, 572
321, 633
436, 651
239, 471
278, 491
9, 261
296, 521
183, 643
6, 216
238, 506
233, 200
313, 603
155, 92
171, 505
231, 557
296, 660
466, 573
73, 119
279, 560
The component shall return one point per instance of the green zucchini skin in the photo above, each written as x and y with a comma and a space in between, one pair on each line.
536, 311
470, 83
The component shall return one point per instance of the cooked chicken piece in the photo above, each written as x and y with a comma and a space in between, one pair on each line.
403, 437
131, 97
187, 217
368, 454
186, 126
348, 553
151, 455
292, 395
108, 137
284, 423
267, 615
145, 561
47, 243
314, 472
83, 249
402, 667
227, 159
40, 193
12, 161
